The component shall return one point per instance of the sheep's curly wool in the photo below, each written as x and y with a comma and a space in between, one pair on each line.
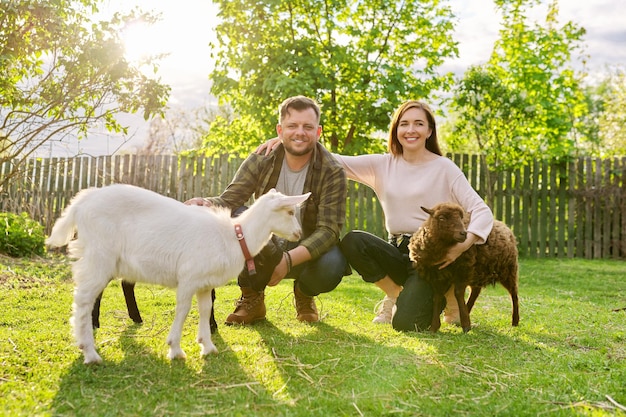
494, 261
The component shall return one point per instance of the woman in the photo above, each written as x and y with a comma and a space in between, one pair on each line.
412, 174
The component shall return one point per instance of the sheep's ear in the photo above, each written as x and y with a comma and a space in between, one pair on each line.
293, 200
429, 211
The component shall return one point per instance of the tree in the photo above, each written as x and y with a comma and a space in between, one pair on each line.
214, 124
176, 132
62, 73
527, 101
607, 119
358, 58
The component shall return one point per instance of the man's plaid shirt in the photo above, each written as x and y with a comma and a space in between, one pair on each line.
323, 213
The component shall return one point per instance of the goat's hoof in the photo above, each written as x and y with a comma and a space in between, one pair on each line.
92, 359
176, 354
89, 353
209, 350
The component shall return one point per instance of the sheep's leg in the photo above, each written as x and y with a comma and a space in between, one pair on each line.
515, 302
131, 303
85, 294
459, 293
183, 305
509, 279
472, 298
435, 323
205, 307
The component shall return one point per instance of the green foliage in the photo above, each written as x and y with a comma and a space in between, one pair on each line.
20, 235
359, 59
526, 102
606, 122
62, 73
567, 357
242, 132
487, 109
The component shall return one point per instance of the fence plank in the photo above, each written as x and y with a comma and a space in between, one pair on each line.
572, 209
620, 213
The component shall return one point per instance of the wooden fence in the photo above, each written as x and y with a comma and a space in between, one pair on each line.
568, 209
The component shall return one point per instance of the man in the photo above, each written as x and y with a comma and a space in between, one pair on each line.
299, 165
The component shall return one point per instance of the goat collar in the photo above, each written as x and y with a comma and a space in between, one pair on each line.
244, 249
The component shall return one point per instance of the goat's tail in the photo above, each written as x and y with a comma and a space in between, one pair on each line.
63, 229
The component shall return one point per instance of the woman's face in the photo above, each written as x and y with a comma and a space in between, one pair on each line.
413, 129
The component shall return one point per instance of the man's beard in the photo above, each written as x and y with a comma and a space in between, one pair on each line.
290, 150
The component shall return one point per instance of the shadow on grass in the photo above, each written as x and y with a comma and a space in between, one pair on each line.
143, 383
568, 352
335, 367
361, 375
280, 376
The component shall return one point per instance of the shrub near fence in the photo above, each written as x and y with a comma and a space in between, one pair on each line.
567, 209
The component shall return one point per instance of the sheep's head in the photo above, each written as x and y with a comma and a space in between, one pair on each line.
446, 223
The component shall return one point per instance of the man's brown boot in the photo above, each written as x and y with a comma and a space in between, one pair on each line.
250, 308
305, 306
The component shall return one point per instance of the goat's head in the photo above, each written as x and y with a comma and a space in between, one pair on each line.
283, 215
446, 222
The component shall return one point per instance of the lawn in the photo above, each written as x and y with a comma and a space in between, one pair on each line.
567, 357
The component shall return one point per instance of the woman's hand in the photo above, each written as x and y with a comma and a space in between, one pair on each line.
267, 146
457, 250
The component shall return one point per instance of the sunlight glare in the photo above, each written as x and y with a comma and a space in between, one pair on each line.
180, 39
143, 40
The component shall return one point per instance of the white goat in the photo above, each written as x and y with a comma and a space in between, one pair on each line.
141, 236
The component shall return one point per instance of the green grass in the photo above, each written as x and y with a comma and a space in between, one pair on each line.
567, 357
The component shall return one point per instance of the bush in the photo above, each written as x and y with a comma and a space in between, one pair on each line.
20, 235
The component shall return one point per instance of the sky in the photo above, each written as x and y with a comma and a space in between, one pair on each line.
186, 28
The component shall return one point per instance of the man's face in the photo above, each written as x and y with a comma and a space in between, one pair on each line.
299, 131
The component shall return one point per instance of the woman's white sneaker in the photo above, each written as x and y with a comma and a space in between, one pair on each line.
384, 310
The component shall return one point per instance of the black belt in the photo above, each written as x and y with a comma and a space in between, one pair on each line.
400, 238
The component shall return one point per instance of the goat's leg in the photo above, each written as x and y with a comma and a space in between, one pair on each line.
435, 323
95, 312
85, 294
205, 308
213, 322
131, 302
475, 292
459, 293
183, 305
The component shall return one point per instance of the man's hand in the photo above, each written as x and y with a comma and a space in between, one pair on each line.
298, 255
280, 272
198, 201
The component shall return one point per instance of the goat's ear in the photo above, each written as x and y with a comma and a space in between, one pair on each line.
293, 200
429, 211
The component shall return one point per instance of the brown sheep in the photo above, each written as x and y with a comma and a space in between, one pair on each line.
481, 265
